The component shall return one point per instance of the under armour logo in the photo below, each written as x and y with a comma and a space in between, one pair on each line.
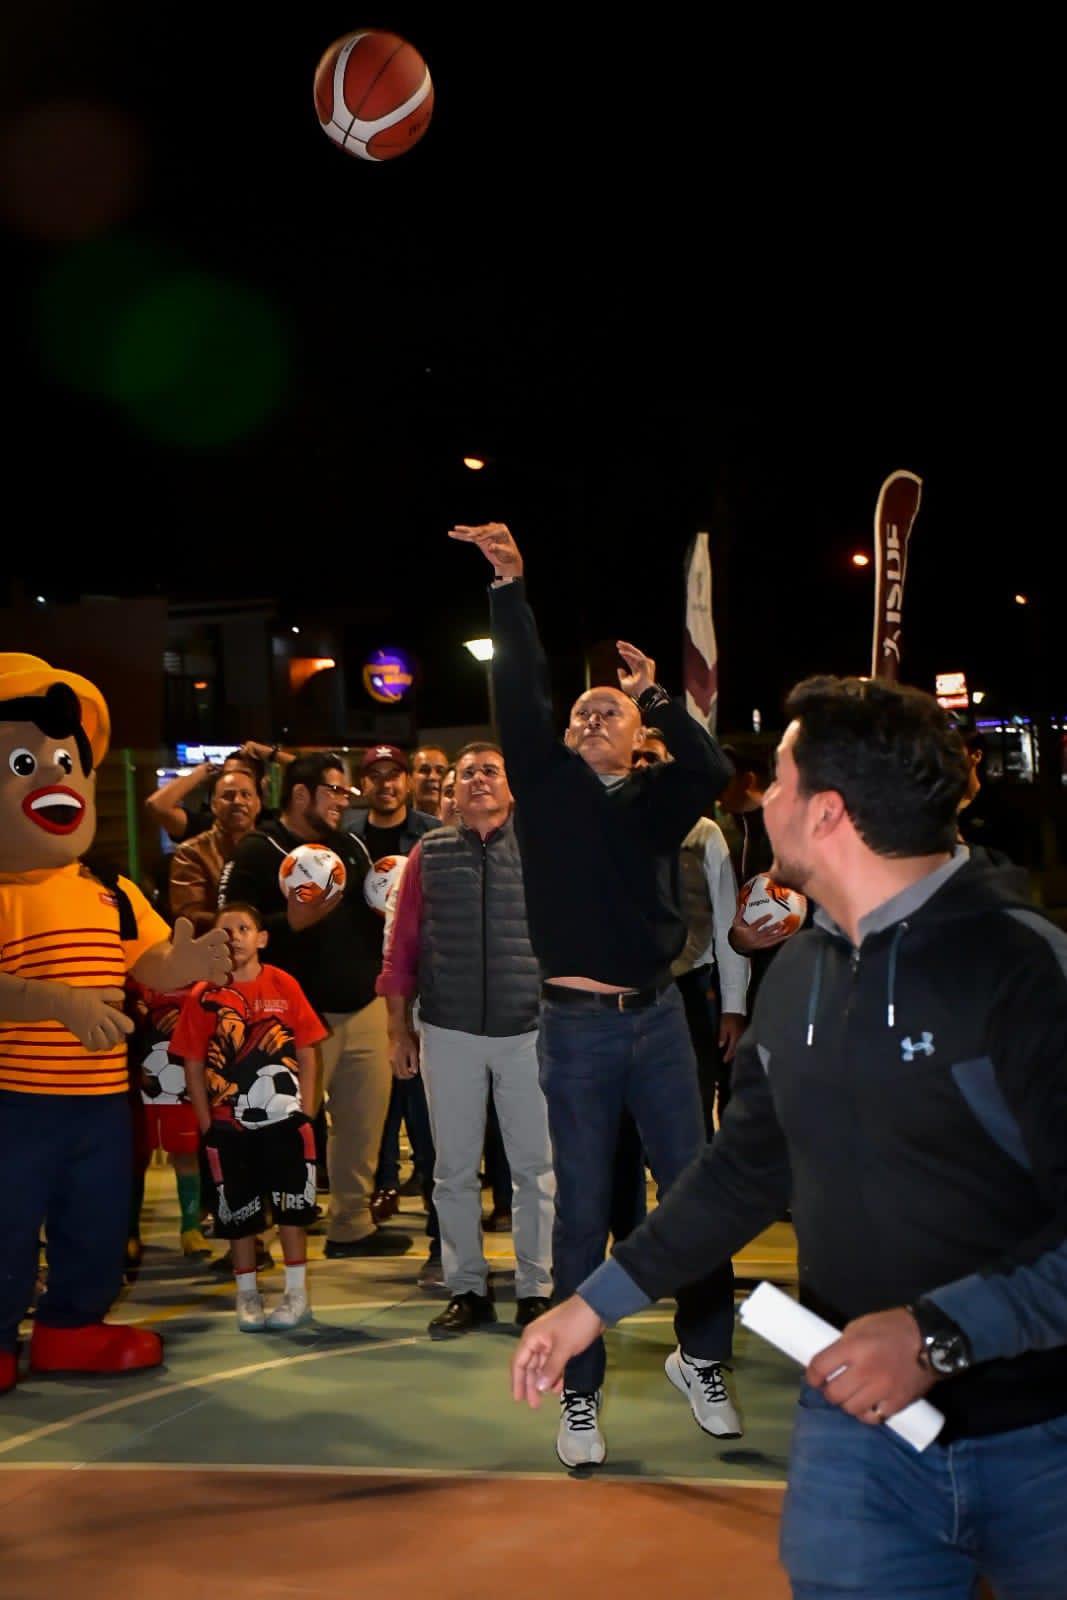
909, 1050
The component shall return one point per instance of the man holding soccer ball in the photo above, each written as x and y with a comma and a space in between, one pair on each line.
332, 945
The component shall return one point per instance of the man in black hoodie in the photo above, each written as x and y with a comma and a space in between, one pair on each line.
334, 950
903, 1083
599, 845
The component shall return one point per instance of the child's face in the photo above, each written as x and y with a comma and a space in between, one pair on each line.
246, 940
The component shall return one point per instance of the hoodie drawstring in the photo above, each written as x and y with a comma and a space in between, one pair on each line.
813, 997
816, 985
891, 1006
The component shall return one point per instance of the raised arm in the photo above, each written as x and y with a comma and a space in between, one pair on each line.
520, 671
164, 806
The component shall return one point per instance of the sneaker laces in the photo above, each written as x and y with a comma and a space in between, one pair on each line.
579, 1411
709, 1374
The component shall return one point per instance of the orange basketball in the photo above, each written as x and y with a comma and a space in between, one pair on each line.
373, 94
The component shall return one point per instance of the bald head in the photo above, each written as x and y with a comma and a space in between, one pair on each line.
604, 729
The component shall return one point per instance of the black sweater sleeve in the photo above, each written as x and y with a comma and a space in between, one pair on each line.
252, 877
679, 791
737, 1186
521, 687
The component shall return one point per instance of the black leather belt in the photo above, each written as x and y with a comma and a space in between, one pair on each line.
629, 1000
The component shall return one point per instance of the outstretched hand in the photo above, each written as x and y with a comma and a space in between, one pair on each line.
547, 1345
495, 542
639, 672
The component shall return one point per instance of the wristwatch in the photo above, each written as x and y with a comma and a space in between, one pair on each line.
650, 700
946, 1349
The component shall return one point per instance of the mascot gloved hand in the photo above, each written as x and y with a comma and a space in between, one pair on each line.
68, 939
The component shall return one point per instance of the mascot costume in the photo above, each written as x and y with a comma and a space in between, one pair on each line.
68, 938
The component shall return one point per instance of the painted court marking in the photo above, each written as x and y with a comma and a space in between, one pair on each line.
491, 1474
32, 1435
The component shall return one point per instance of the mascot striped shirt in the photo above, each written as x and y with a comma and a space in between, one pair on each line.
63, 925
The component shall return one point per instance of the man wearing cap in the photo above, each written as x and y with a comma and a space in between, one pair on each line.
68, 938
390, 827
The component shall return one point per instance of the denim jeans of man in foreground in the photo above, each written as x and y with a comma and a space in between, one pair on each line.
868, 1517
595, 1061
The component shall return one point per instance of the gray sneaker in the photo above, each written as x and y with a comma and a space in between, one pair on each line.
579, 1442
702, 1384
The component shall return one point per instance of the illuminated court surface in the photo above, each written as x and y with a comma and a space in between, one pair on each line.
355, 1451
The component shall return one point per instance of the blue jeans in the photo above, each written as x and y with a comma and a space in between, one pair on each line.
867, 1516
407, 1104
66, 1162
593, 1064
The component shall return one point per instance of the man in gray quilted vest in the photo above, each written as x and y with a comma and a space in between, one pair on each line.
459, 943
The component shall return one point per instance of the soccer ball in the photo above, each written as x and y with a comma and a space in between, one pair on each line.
382, 881
762, 897
162, 1080
312, 872
273, 1095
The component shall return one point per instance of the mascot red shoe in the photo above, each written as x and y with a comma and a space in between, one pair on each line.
68, 938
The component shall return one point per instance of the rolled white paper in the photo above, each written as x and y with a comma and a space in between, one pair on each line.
799, 1333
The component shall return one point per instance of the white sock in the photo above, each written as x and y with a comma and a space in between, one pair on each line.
246, 1283
295, 1277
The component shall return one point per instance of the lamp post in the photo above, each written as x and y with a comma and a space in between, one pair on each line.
482, 650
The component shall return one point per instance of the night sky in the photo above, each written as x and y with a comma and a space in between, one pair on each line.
667, 274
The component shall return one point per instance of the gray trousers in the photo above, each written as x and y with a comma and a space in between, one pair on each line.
457, 1069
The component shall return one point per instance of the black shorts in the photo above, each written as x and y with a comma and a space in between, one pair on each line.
249, 1170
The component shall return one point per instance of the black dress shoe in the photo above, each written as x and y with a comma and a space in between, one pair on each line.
497, 1222
528, 1307
378, 1243
462, 1313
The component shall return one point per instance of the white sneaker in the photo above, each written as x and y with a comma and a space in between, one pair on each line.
579, 1442
251, 1317
292, 1310
702, 1384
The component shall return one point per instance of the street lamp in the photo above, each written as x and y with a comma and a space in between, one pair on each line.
482, 650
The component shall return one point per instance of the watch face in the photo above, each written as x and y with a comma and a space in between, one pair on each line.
947, 1355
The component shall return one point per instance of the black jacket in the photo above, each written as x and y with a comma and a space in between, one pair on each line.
908, 1099
599, 863
337, 961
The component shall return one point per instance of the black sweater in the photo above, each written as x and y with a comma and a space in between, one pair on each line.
599, 863
337, 961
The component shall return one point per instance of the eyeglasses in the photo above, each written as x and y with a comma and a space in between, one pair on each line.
338, 789
646, 758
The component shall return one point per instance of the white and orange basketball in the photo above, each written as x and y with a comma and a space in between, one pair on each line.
373, 94
382, 881
762, 897
311, 872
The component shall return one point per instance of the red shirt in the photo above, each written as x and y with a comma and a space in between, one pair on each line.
247, 1034
400, 958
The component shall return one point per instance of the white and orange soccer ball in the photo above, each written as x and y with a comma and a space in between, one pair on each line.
762, 897
382, 881
312, 872
373, 94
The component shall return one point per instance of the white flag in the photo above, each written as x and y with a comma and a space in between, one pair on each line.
701, 655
